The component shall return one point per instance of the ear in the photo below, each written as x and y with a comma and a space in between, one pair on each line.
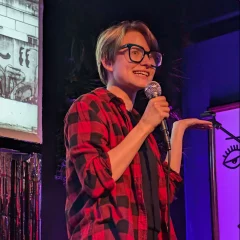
107, 64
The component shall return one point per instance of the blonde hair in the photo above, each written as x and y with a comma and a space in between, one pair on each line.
109, 42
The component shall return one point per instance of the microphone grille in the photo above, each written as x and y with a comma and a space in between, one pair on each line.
153, 89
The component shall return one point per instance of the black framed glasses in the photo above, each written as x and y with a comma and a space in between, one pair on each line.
137, 53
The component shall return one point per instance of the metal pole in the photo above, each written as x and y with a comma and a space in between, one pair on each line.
213, 185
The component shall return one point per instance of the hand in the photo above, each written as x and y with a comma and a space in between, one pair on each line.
156, 110
193, 123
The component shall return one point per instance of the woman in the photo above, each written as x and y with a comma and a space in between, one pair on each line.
116, 187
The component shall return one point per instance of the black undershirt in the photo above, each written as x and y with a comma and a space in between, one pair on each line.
150, 186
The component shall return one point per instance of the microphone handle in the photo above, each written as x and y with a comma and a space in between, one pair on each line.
164, 129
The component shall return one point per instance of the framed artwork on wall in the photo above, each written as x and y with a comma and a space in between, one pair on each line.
21, 69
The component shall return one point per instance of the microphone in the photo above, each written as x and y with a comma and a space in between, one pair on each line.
152, 90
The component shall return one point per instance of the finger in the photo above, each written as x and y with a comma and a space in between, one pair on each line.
161, 104
163, 115
159, 98
206, 124
163, 109
203, 121
201, 126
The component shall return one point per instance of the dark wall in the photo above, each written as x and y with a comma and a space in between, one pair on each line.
212, 68
53, 192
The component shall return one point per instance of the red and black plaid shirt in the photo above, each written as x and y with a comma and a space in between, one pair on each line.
97, 207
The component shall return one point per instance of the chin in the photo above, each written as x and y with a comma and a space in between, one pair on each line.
140, 86
138, 83
143, 84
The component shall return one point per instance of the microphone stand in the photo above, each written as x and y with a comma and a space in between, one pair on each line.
211, 116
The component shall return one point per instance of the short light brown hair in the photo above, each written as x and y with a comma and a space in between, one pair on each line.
109, 42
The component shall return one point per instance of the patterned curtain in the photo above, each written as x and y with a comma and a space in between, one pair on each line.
20, 195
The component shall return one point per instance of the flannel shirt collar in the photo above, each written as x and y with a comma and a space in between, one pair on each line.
107, 95
110, 97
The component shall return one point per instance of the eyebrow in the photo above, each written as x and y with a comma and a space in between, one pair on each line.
134, 44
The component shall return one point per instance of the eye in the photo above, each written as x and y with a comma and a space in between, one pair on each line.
232, 157
136, 51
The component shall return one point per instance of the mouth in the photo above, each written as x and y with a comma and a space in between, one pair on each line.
141, 73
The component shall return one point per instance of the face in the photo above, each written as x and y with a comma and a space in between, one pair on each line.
125, 73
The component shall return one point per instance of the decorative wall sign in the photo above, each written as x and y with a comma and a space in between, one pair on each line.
227, 150
20, 70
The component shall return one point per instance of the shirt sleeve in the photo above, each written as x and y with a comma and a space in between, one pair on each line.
87, 149
175, 180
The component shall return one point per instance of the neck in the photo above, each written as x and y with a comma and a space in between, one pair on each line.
126, 95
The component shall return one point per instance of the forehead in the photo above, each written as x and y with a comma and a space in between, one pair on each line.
135, 38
